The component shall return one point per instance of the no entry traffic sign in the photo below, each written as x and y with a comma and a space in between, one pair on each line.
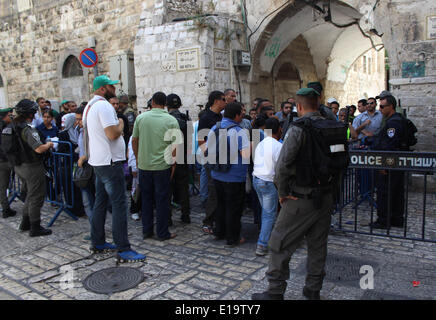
88, 58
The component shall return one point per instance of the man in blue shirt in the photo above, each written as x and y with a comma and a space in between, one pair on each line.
369, 123
230, 183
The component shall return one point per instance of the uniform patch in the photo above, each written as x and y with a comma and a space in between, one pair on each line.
391, 132
35, 135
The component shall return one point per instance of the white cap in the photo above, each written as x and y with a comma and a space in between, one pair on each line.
330, 100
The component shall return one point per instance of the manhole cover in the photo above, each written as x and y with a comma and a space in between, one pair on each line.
376, 295
113, 280
341, 268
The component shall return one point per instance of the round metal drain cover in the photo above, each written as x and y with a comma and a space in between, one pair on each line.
113, 280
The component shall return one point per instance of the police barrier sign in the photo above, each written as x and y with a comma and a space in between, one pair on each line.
410, 161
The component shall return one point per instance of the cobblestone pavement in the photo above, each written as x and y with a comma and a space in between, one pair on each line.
195, 267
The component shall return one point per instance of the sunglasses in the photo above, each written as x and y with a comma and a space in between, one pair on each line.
384, 106
371, 103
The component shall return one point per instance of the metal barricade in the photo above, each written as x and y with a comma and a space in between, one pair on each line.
59, 181
383, 179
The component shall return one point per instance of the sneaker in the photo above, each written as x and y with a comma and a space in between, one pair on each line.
107, 247
135, 216
261, 250
130, 256
235, 244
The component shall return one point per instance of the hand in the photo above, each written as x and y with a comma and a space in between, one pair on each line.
50, 145
367, 122
134, 174
383, 172
283, 200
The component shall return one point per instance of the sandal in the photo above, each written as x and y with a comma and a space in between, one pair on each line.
207, 229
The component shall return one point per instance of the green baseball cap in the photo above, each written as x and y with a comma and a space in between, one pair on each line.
307, 92
64, 102
101, 81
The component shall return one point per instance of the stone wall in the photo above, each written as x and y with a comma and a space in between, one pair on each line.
35, 39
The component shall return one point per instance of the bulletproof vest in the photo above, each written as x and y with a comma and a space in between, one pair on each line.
14, 146
323, 154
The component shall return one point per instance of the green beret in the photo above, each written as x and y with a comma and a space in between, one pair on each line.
307, 92
315, 85
5, 110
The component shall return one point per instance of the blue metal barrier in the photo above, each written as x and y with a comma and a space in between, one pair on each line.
60, 188
59, 182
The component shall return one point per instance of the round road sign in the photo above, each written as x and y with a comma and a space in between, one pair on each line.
88, 58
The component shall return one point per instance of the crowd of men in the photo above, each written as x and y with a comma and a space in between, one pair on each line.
125, 151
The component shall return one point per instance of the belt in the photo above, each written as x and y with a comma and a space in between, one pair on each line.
115, 163
310, 196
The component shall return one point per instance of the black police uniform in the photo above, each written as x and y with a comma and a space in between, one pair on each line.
390, 184
5, 173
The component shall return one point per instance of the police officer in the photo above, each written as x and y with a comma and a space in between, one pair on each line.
180, 182
390, 184
31, 169
325, 111
303, 215
5, 167
127, 111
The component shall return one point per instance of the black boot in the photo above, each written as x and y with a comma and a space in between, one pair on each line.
266, 296
185, 218
25, 224
310, 294
9, 213
36, 230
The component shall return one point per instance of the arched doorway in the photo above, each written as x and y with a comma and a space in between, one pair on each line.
328, 45
73, 80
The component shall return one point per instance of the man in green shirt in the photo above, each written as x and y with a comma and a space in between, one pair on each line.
153, 134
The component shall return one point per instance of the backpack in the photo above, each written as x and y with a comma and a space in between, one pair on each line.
409, 138
324, 153
218, 166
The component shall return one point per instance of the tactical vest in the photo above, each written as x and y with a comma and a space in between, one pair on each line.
323, 153
14, 146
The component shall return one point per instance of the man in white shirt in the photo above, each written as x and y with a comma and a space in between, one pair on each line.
106, 152
266, 155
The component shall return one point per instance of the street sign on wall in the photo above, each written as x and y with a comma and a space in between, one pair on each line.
88, 58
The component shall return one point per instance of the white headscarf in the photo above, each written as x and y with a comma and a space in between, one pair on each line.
69, 126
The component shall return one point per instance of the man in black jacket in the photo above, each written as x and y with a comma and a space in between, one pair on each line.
180, 182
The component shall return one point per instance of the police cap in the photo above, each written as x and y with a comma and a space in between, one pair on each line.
308, 92
5, 110
173, 101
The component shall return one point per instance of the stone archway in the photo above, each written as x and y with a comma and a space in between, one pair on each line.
333, 45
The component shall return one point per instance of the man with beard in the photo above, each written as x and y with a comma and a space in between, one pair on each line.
106, 151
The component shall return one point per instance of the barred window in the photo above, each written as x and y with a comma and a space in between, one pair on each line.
72, 68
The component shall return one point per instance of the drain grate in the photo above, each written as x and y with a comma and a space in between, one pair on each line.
113, 280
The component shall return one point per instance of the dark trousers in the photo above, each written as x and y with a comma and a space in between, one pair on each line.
159, 183
211, 204
180, 187
390, 195
230, 200
33, 175
5, 177
298, 220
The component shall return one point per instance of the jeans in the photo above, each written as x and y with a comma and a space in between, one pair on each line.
268, 198
203, 184
110, 184
159, 183
88, 200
